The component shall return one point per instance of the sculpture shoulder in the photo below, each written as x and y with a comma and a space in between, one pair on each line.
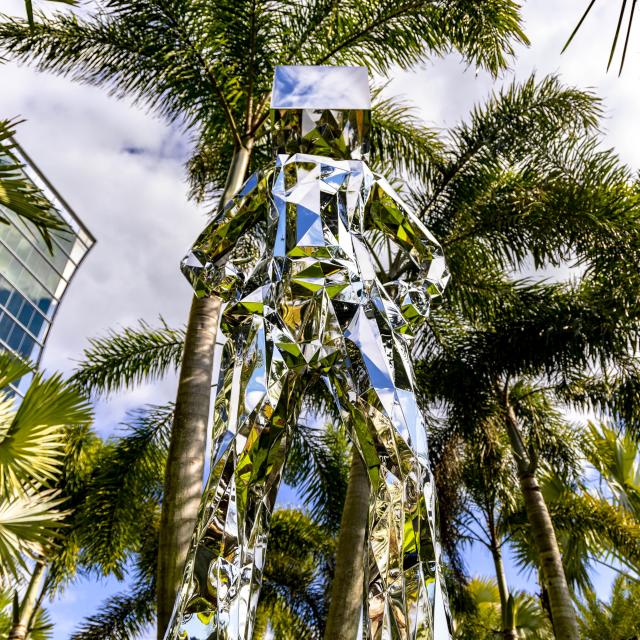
218, 257
393, 210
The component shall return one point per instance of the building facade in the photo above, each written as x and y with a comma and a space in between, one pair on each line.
33, 277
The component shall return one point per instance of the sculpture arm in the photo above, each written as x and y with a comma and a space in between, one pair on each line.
389, 214
219, 260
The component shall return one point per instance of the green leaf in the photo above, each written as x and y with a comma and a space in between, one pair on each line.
130, 356
29, 522
32, 439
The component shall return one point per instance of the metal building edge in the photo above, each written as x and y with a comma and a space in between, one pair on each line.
79, 229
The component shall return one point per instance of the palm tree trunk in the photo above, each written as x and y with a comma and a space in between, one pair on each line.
20, 626
565, 624
508, 626
38, 604
185, 461
348, 582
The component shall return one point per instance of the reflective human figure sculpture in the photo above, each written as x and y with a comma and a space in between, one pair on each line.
291, 255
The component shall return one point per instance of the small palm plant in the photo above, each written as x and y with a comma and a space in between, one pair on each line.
32, 446
483, 621
618, 619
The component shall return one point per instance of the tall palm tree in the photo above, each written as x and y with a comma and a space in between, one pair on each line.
488, 509
209, 66
496, 368
511, 191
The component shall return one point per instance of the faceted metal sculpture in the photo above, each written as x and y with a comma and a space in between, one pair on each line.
291, 255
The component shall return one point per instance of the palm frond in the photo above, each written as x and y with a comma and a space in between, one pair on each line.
130, 356
41, 627
614, 44
126, 485
360, 33
129, 614
29, 522
32, 439
83, 451
12, 369
400, 142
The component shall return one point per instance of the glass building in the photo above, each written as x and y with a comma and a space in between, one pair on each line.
33, 278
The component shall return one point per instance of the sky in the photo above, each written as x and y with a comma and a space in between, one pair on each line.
122, 170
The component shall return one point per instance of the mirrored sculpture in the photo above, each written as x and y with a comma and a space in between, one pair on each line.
293, 257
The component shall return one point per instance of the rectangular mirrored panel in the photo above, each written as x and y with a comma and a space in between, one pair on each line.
308, 87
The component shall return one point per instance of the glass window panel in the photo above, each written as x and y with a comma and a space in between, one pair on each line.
66, 241
15, 304
36, 324
15, 337
26, 346
6, 324
23, 384
44, 304
58, 258
17, 275
26, 313
34, 261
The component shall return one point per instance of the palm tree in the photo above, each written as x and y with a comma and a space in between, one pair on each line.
590, 530
618, 619
32, 448
504, 197
209, 66
484, 619
488, 510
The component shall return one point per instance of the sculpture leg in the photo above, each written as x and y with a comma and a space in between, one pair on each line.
405, 596
255, 407
405, 587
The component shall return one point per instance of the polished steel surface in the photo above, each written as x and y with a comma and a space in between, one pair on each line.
321, 87
293, 257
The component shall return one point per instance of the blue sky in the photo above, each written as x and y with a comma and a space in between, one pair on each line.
122, 171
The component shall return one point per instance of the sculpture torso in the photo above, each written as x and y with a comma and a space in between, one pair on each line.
313, 267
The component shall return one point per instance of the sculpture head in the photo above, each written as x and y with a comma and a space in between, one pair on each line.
323, 111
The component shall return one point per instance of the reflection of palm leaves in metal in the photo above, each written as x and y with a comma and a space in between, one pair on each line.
311, 311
